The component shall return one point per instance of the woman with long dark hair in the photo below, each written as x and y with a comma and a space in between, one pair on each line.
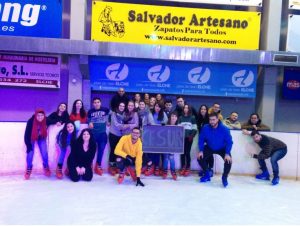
80, 160
64, 140
131, 118
202, 117
115, 134
78, 114
159, 118
36, 132
188, 121
60, 116
173, 121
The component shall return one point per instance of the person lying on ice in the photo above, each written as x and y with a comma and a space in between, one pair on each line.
129, 153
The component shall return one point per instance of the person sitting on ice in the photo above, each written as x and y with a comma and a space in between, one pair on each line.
129, 153
270, 147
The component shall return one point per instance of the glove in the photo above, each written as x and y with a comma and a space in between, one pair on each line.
139, 182
129, 160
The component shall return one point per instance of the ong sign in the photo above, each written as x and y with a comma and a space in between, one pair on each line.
36, 18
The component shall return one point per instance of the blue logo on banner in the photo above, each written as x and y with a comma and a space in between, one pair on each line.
172, 77
159, 73
199, 75
242, 78
117, 72
36, 18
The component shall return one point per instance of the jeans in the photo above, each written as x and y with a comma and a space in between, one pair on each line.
207, 153
167, 158
186, 157
113, 141
101, 140
275, 157
44, 153
155, 158
62, 155
122, 163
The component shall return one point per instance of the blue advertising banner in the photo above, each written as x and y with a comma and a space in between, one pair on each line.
35, 18
173, 77
291, 83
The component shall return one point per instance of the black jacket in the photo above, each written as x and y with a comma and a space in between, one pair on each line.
268, 146
78, 157
27, 135
53, 118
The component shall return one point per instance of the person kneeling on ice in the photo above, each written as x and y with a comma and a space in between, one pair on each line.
270, 147
129, 153
215, 138
80, 160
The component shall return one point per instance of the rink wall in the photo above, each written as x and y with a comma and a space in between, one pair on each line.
13, 152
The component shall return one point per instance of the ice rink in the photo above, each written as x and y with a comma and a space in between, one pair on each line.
246, 200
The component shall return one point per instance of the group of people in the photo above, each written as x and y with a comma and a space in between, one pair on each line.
125, 120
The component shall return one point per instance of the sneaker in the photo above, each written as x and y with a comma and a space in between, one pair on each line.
211, 172
59, 173
98, 170
187, 172
27, 174
149, 171
156, 171
224, 181
275, 181
174, 175
66, 172
165, 174
132, 173
205, 178
47, 172
263, 176
121, 178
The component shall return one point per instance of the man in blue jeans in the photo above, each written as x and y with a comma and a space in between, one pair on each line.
98, 119
270, 147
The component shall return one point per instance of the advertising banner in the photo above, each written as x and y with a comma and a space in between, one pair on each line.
148, 24
30, 70
257, 3
163, 139
34, 18
293, 34
173, 77
294, 4
291, 83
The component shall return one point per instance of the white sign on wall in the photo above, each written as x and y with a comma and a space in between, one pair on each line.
29, 70
293, 34
294, 4
225, 2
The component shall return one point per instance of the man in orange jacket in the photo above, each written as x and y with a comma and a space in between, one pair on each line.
129, 153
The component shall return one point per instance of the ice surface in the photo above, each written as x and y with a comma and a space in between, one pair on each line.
246, 200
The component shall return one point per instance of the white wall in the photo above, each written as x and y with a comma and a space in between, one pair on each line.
13, 152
